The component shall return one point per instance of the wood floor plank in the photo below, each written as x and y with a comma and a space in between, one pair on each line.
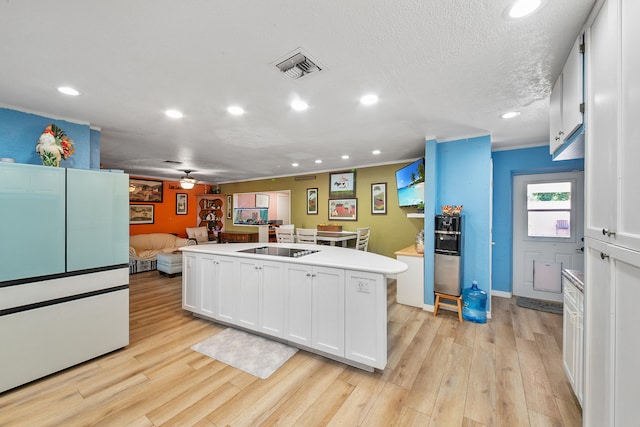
451, 400
537, 387
481, 392
511, 404
440, 372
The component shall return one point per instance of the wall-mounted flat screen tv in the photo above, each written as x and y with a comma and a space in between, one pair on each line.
410, 184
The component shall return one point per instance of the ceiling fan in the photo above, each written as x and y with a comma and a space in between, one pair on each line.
187, 182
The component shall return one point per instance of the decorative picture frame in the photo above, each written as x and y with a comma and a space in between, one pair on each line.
145, 190
379, 198
262, 200
342, 185
181, 203
229, 207
343, 209
312, 201
140, 214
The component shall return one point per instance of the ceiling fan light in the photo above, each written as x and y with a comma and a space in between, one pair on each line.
187, 182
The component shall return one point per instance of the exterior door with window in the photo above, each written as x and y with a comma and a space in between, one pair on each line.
547, 232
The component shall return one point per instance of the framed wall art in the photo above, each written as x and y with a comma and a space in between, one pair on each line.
379, 198
229, 205
262, 200
343, 209
342, 184
181, 203
312, 201
140, 214
145, 190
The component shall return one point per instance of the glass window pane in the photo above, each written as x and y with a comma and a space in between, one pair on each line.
549, 224
549, 196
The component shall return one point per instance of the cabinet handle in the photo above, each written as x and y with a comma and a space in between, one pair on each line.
603, 256
609, 233
557, 138
560, 133
308, 274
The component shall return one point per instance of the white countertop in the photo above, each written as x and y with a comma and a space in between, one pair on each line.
327, 256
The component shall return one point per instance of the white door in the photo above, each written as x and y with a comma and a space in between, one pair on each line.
547, 232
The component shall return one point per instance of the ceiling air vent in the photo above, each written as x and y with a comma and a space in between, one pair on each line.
297, 66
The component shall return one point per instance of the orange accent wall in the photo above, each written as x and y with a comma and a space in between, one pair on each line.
165, 219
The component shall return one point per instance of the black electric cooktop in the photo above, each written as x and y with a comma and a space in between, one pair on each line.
285, 252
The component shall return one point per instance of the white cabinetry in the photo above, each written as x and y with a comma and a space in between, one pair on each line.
366, 318
260, 296
567, 101
315, 307
333, 311
572, 336
612, 272
611, 334
297, 301
327, 324
205, 280
612, 197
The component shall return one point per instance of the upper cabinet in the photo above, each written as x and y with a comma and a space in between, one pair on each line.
567, 100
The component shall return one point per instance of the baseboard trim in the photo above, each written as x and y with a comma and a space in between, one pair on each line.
501, 294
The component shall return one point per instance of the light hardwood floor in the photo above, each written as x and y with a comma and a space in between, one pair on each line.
440, 372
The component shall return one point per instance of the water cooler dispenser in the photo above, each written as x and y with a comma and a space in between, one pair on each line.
448, 250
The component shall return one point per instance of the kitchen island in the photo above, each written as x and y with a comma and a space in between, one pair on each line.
325, 299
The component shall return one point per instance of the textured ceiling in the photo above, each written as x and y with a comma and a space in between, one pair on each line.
443, 69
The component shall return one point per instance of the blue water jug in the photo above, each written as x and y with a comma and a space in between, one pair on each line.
474, 304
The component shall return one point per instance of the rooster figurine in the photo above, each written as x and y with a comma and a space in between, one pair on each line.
53, 146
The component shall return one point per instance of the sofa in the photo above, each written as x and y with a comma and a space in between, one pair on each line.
144, 249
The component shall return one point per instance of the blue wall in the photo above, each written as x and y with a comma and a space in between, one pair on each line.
19, 133
506, 164
461, 171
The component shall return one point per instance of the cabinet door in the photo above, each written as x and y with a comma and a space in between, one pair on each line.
190, 293
555, 116
598, 335
625, 276
32, 209
572, 91
366, 318
227, 290
207, 273
97, 219
602, 117
271, 313
628, 225
298, 297
328, 310
569, 336
249, 277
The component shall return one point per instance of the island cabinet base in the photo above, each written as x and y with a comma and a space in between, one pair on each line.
334, 312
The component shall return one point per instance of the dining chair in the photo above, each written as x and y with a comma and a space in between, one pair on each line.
284, 235
362, 241
307, 235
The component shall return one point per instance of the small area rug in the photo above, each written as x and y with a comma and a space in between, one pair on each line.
540, 305
253, 354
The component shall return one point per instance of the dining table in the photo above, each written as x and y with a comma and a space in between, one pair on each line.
334, 237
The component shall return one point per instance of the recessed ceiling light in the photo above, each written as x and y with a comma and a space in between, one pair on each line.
318, 161
295, 165
345, 156
369, 99
299, 105
174, 114
375, 152
510, 114
235, 110
68, 91
522, 8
